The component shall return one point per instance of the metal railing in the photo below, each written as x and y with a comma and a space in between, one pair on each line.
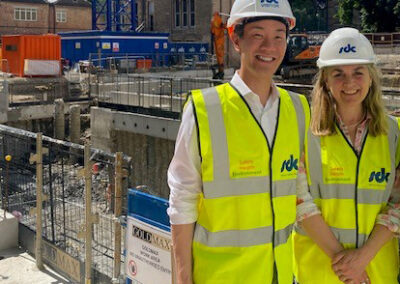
140, 62
63, 220
384, 38
163, 94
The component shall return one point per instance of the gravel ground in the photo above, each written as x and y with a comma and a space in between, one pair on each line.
17, 267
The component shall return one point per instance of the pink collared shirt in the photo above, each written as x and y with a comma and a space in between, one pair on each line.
390, 215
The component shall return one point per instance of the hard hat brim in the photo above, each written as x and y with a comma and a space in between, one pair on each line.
337, 62
291, 20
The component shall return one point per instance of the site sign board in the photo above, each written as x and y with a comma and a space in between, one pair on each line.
148, 253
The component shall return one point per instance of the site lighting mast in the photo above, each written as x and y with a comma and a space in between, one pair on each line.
114, 15
52, 15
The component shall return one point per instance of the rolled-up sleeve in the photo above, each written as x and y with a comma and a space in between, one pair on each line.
184, 178
305, 204
390, 215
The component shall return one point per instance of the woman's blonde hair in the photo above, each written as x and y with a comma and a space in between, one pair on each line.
323, 105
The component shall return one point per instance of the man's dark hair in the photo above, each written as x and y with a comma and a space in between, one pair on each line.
239, 28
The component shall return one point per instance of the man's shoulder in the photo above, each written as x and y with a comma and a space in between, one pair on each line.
292, 94
209, 91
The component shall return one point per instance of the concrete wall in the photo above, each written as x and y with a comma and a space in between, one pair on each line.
8, 231
150, 159
148, 140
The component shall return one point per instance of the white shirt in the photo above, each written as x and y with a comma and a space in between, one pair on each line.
184, 172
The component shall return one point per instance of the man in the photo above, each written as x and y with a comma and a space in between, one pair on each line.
233, 175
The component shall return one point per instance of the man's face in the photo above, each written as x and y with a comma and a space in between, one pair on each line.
262, 47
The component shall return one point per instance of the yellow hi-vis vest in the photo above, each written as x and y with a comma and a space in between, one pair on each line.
350, 191
248, 202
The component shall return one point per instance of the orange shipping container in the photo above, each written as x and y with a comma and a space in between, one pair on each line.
17, 49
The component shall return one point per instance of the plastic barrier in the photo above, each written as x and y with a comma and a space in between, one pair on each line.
148, 242
143, 63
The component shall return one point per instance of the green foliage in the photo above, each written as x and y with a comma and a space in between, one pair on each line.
376, 16
308, 17
345, 11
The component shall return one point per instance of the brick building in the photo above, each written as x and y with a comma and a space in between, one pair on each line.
38, 16
189, 20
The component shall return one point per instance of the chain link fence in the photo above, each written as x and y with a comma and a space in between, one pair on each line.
63, 215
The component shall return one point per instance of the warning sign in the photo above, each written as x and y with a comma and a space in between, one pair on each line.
148, 253
115, 47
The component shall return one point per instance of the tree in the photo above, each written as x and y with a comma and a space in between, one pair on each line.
376, 16
310, 14
345, 11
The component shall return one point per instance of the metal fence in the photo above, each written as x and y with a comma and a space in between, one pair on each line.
148, 92
39, 91
128, 62
44, 92
384, 38
64, 195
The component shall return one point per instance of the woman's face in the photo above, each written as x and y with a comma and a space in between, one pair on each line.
348, 84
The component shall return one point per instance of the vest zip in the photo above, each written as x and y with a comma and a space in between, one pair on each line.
357, 170
270, 148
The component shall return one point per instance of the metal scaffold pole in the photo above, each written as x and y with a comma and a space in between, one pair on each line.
38, 158
88, 215
119, 174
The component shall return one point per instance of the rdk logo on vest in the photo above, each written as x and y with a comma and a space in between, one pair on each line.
379, 177
290, 164
348, 48
269, 3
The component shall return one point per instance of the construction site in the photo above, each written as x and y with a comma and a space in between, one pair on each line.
89, 120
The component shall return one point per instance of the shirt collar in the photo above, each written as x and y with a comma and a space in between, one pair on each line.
244, 90
362, 123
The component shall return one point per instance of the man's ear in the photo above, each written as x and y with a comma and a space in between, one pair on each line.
235, 41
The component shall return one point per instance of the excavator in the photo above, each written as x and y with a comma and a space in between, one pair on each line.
300, 57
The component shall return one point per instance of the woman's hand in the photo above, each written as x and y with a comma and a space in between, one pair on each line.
349, 266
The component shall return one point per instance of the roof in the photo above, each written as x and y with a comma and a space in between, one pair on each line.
78, 3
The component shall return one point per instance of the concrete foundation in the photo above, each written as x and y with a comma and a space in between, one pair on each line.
75, 124
59, 119
8, 231
148, 140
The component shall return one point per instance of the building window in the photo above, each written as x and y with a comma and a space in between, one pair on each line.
61, 16
192, 14
184, 13
25, 14
177, 13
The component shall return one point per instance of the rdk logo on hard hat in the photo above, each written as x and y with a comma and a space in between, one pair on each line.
269, 3
347, 49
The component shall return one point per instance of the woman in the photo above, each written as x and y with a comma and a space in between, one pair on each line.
351, 158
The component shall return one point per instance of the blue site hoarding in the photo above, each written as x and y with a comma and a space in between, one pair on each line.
148, 242
148, 208
76, 46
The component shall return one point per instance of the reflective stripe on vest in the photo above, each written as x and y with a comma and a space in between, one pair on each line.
330, 184
350, 191
236, 210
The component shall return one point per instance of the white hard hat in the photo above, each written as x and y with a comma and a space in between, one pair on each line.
346, 46
242, 9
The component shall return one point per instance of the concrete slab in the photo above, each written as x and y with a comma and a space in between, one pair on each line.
17, 266
8, 231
